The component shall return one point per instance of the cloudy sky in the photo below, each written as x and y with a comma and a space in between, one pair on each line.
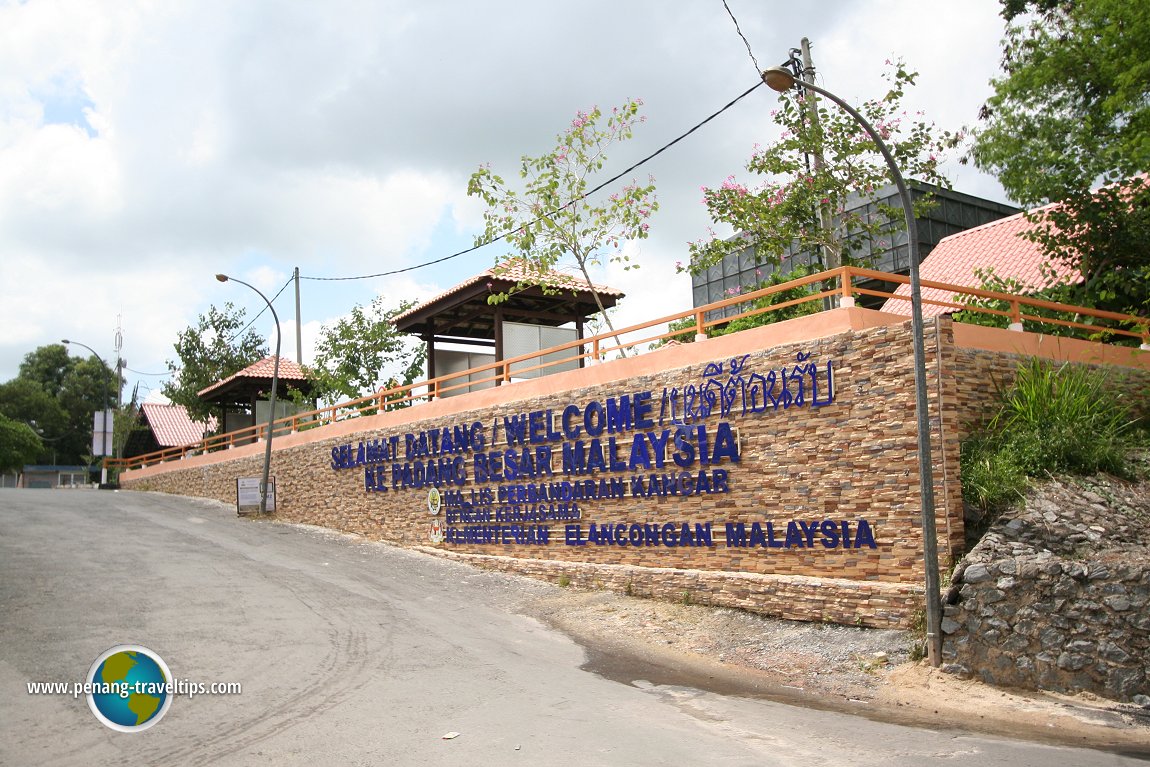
146, 145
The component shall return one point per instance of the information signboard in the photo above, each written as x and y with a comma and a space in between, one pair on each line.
248, 495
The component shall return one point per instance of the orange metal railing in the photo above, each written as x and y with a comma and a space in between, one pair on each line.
841, 282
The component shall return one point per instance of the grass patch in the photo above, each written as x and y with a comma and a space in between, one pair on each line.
917, 632
1053, 419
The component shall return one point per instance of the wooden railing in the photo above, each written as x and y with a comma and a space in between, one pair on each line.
1106, 323
842, 283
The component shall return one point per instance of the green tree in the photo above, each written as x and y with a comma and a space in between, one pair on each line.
59, 393
19, 444
357, 355
25, 401
1071, 108
1102, 235
48, 366
1070, 113
127, 420
549, 221
782, 212
212, 349
90, 386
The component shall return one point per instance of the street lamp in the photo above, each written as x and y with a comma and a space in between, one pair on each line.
40, 433
275, 386
782, 79
103, 410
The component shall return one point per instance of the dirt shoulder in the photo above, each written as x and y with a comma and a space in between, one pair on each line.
860, 671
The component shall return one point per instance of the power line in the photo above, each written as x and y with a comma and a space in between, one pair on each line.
758, 69
578, 199
242, 330
141, 373
261, 311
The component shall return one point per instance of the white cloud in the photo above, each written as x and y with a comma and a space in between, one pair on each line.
250, 138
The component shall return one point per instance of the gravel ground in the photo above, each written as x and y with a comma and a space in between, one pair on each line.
823, 659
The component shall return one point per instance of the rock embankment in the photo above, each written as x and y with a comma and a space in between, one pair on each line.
1056, 595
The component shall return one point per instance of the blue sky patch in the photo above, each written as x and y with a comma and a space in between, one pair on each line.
63, 102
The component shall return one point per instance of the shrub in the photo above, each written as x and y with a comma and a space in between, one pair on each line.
990, 479
1065, 419
1054, 418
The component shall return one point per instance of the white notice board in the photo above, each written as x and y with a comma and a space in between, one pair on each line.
248, 494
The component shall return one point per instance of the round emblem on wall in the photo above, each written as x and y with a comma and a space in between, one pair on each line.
436, 532
434, 500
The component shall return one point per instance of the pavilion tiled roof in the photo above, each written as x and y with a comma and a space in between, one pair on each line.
172, 426
997, 245
516, 271
289, 371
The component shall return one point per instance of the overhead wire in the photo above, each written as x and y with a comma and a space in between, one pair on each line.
758, 69
142, 373
261, 311
568, 204
241, 331
504, 235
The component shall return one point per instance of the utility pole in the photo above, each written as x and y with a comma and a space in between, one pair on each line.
832, 253
118, 449
119, 362
298, 324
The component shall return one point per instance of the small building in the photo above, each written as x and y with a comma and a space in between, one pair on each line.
952, 212
998, 245
543, 309
46, 477
163, 426
243, 397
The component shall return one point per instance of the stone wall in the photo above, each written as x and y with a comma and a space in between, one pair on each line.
830, 481
823, 490
1055, 595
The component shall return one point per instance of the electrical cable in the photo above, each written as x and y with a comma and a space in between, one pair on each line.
578, 199
261, 311
758, 69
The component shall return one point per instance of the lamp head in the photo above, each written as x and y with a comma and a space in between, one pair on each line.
778, 79
222, 277
65, 341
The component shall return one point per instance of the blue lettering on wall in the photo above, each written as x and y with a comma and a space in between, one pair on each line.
667, 534
541, 467
799, 385
522, 535
802, 534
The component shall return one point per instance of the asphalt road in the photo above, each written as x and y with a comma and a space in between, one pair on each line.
353, 653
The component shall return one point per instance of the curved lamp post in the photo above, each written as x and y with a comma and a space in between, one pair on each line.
275, 386
782, 79
103, 408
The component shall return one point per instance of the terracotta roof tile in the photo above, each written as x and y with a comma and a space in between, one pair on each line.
995, 245
172, 426
289, 371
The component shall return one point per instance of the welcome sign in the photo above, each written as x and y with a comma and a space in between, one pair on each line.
510, 481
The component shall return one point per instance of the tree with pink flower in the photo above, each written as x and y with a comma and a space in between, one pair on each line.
781, 212
550, 221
